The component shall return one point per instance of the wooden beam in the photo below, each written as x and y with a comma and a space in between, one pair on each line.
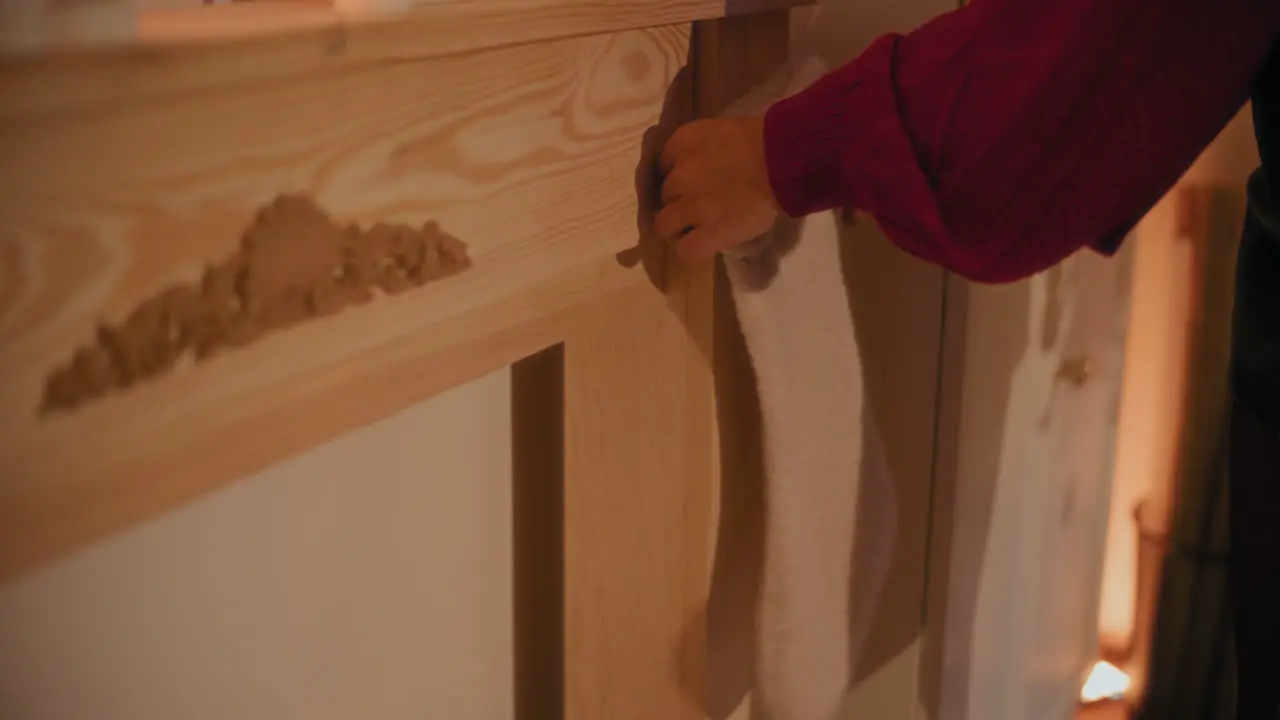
637, 491
642, 458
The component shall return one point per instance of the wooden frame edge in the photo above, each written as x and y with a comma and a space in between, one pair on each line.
178, 54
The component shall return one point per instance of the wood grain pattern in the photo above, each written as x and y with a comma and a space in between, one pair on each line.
638, 478
642, 461
479, 23
528, 154
228, 45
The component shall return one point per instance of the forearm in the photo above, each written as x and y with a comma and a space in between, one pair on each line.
1000, 138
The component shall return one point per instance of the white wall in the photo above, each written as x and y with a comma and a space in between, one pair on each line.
367, 578
1022, 519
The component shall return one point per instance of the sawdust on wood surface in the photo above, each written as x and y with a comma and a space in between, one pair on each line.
294, 263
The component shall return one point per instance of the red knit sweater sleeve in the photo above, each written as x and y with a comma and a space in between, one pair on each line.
1000, 138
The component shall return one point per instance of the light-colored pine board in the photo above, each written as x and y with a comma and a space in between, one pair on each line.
640, 463
97, 481
481, 23
638, 478
219, 46
643, 458
528, 154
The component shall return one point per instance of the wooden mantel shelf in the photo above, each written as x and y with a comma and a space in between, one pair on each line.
441, 26
527, 129
488, 166
265, 40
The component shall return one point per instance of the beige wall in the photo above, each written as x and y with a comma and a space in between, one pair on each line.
367, 578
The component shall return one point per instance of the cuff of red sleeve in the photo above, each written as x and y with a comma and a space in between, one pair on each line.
812, 137
801, 152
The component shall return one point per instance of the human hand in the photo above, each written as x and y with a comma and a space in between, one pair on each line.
716, 192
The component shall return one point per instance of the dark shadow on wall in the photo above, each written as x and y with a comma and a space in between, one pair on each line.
896, 302
737, 567
908, 497
900, 353
986, 338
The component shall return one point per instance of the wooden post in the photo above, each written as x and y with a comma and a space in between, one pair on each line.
642, 460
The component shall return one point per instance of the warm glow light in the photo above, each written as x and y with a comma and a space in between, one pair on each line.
1106, 681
